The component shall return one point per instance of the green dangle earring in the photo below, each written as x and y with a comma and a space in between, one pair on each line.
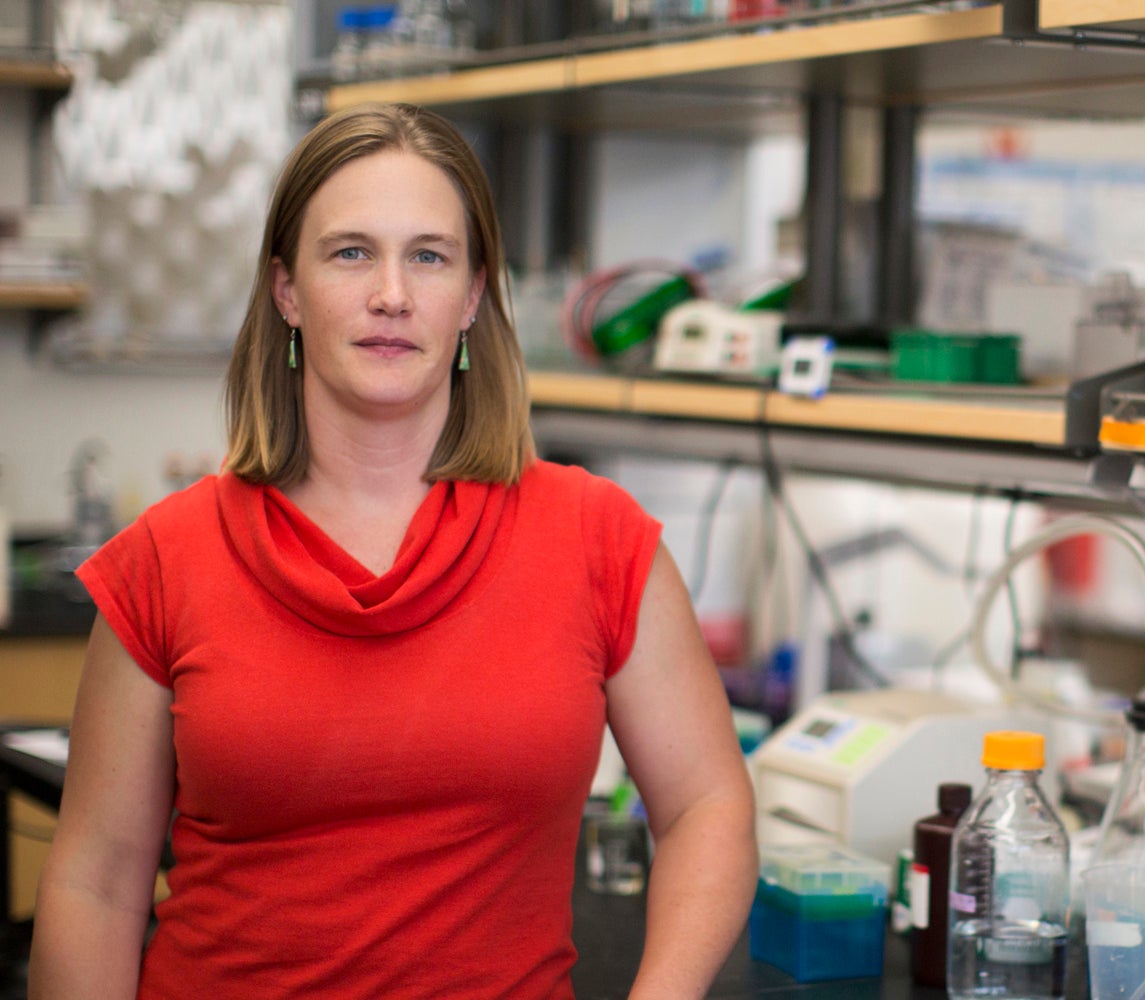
292, 355
463, 361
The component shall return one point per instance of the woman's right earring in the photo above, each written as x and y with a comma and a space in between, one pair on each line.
292, 357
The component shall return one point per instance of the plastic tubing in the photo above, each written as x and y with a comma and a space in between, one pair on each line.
1066, 527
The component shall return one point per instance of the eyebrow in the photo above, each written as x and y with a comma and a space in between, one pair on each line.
353, 236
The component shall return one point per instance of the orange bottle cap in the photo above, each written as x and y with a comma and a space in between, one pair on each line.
1014, 751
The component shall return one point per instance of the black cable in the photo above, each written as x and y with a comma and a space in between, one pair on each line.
1012, 591
703, 547
843, 630
769, 529
970, 565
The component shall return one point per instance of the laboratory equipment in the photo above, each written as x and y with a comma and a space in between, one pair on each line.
345, 59
1115, 931
819, 912
1010, 891
930, 884
1122, 834
616, 853
1111, 333
859, 767
805, 366
701, 335
613, 310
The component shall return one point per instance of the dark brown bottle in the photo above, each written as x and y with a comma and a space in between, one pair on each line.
930, 885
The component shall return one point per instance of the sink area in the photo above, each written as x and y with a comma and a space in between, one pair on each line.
46, 598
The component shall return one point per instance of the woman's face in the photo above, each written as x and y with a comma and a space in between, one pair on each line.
381, 287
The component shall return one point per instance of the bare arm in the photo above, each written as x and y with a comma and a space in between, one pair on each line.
669, 713
96, 888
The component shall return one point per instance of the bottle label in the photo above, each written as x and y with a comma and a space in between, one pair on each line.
920, 896
962, 902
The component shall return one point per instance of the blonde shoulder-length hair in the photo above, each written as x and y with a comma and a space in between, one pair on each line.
486, 435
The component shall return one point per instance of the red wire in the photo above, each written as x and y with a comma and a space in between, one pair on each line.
578, 308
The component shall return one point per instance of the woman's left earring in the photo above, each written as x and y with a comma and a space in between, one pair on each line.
463, 361
292, 357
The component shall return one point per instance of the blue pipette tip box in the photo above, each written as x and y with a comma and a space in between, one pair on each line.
820, 912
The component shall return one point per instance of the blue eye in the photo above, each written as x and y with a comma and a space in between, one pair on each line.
427, 257
351, 253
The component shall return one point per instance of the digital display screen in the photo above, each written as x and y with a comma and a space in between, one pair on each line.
819, 728
693, 333
801, 366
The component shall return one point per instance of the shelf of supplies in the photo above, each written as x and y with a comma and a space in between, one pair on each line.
790, 47
957, 59
41, 74
1018, 420
1091, 14
42, 295
777, 58
1002, 442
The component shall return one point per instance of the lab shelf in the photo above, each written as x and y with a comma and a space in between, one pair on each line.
42, 295
982, 58
1017, 418
35, 73
47, 79
1014, 445
1116, 14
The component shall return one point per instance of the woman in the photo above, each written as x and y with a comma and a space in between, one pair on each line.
369, 665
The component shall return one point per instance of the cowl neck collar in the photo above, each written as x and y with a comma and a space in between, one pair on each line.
445, 545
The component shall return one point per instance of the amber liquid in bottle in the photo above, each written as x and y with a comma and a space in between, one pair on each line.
930, 885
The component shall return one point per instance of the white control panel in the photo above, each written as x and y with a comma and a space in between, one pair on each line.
705, 336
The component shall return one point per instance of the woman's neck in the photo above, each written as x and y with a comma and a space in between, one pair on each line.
364, 482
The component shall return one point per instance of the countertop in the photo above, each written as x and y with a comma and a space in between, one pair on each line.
609, 932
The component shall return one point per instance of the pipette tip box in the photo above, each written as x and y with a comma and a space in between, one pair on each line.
819, 912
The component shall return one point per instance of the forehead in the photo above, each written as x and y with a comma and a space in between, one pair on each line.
394, 186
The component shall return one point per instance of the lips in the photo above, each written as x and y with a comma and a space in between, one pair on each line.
395, 343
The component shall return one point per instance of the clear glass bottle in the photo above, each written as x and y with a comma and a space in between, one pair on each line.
1009, 873
347, 52
431, 28
376, 60
1122, 834
462, 27
405, 22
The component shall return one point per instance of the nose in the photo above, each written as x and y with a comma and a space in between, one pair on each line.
390, 293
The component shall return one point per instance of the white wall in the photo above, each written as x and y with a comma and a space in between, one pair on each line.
664, 197
46, 413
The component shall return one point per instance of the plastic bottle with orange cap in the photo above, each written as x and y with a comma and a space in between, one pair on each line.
1009, 887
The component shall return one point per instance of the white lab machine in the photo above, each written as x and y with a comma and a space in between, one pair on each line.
860, 767
705, 336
